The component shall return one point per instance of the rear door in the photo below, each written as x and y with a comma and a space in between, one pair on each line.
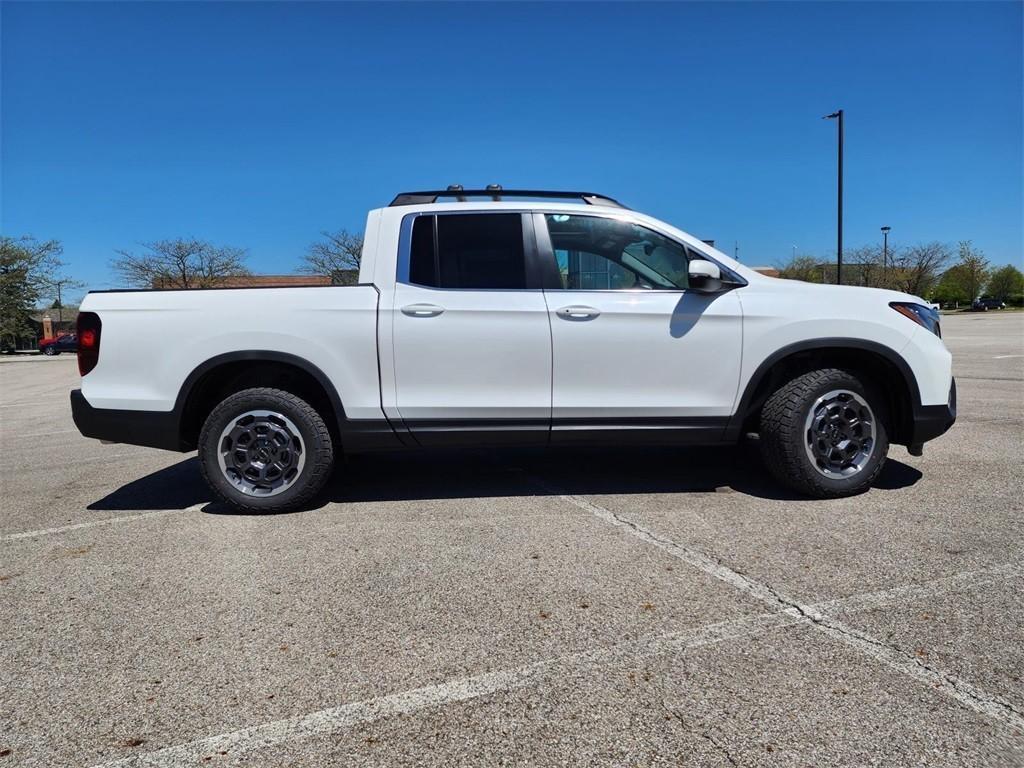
471, 336
637, 356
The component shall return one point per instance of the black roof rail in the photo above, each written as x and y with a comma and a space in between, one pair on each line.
496, 193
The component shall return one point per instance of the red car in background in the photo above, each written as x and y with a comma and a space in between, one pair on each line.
66, 343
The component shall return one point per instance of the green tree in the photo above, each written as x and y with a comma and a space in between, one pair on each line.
26, 269
804, 268
952, 287
180, 263
336, 254
974, 268
1006, 283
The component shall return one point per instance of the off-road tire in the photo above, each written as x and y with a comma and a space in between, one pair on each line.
783, 435
316, 444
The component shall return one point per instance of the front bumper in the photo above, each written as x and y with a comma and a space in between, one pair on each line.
153, 429
930, 421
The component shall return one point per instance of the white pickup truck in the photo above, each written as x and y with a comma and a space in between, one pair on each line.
494, 317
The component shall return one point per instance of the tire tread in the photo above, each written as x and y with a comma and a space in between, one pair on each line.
321, 450
782, 434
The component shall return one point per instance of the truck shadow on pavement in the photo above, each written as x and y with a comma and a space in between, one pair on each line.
479, 473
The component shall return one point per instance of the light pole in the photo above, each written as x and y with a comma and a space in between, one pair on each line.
59, 284
885, 248
60, 303
839, 218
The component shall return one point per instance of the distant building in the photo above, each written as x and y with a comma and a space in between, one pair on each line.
768, 271
275, 281
261, 281
62, 320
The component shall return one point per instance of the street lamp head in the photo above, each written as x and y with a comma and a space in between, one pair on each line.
832, 116
886, 229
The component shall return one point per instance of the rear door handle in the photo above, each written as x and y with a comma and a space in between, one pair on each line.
577, 313
422, 310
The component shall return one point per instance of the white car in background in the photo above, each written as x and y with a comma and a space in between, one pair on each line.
495, 317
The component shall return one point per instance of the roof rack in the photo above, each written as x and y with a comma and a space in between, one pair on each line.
496, 193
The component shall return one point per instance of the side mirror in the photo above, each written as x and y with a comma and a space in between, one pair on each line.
705, 276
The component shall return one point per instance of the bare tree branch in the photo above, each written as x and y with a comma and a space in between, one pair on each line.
865, 265
917, 268
180, 263
337, 255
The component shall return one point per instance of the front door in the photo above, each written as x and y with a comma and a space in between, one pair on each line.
637, 356
472, 341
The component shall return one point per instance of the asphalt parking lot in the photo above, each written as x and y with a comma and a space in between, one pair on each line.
667, 607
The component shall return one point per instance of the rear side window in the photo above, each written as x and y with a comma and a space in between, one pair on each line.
422, 255
482, 250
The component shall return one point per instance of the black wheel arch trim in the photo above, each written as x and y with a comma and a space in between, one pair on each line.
356, 434
256, 355
747, 401
164, 429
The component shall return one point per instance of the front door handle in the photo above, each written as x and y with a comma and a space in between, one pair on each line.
577, 313
422, 310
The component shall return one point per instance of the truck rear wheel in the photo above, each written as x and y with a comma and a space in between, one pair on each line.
823, 434
265, 450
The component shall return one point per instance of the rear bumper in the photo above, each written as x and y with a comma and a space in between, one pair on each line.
154, 429
930, 421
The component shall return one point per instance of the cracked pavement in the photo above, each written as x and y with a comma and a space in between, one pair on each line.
642, 607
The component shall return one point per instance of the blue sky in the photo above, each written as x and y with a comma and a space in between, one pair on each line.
258, 125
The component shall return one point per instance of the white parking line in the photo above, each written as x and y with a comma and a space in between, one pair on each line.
1004, 357
911, 666
44, 434
92, 523
326, 721
885, 597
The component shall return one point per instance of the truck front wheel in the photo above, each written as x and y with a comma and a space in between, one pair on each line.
823, 434
265, 450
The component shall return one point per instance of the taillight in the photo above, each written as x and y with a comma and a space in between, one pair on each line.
89, 327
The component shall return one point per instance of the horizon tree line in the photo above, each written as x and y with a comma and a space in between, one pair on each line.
932, 270
31, 271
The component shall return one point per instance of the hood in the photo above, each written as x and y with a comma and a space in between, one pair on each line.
840, 292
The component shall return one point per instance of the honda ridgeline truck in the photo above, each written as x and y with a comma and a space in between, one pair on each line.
493, 317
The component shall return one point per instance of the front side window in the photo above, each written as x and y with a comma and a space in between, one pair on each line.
595, 253
480, 250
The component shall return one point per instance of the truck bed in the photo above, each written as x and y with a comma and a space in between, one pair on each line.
152, 340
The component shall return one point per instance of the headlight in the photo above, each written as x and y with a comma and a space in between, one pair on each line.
920, 314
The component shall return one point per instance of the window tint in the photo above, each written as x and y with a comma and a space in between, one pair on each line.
595, 253
480, 250
422, 261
